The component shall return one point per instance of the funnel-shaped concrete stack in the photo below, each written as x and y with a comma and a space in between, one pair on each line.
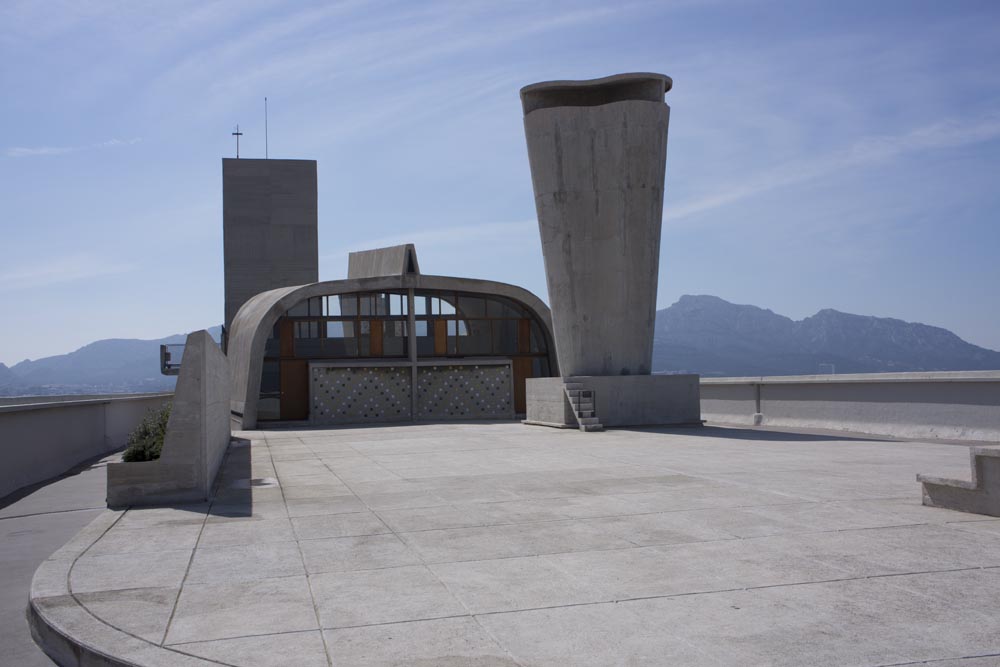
598, 151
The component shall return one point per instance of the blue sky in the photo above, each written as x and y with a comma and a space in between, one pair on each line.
830, 154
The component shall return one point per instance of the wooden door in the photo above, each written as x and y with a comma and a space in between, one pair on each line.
524, 336
522, 366
440, 338
376, 338
294, 389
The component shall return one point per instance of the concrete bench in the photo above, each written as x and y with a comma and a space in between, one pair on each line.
981, 495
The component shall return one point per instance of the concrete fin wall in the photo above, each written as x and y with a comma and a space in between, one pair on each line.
392, 261
197, 435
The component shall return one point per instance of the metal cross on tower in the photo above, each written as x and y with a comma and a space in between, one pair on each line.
237, 134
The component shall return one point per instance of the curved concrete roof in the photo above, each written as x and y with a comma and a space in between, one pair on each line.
256, 318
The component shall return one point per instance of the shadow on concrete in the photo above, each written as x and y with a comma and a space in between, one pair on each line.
88, 465
756, 434
308, 426
232, 495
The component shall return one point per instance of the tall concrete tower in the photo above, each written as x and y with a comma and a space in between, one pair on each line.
269, 227
598, 151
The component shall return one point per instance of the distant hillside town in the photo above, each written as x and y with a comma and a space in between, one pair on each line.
698, 334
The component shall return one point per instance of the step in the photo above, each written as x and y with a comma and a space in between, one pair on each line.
587, 421
980, 495
590, 428
573, 385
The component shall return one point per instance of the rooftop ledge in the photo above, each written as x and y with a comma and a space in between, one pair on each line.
862, 378
639, 86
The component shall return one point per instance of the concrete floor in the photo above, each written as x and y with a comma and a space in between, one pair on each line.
33, 524
503, 544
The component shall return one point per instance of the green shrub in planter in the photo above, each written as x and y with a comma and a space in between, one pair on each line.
146, 442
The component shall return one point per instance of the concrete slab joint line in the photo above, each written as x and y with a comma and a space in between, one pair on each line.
980, 495
486, 544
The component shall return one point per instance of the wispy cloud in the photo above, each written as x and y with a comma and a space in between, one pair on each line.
348, 46
35, 151
441, 237
867, 151
62, 270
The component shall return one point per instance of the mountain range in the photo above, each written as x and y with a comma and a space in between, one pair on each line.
110, 366
698, 334
710, 336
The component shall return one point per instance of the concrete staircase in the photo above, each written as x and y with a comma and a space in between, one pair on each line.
584, 404
981, 495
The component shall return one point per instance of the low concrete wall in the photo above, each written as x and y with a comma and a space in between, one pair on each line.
621, 400
197, 435
547, 403
645, 400
944, 405
43, 439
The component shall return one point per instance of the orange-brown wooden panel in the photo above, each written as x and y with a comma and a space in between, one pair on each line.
376, 344
522, 371
286, 334
440, 338
524, 336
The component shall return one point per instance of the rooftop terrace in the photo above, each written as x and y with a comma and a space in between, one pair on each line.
501, 544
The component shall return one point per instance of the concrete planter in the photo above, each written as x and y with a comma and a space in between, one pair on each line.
598, 151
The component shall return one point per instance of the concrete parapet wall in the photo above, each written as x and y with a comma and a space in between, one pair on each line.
620, 400
944, 405
547, 403
197, 435
729, 403
645, 400
43, 439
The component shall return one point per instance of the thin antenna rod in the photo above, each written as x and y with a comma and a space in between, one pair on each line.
265, 128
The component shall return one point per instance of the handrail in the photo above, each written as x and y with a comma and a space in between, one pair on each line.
171, 356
